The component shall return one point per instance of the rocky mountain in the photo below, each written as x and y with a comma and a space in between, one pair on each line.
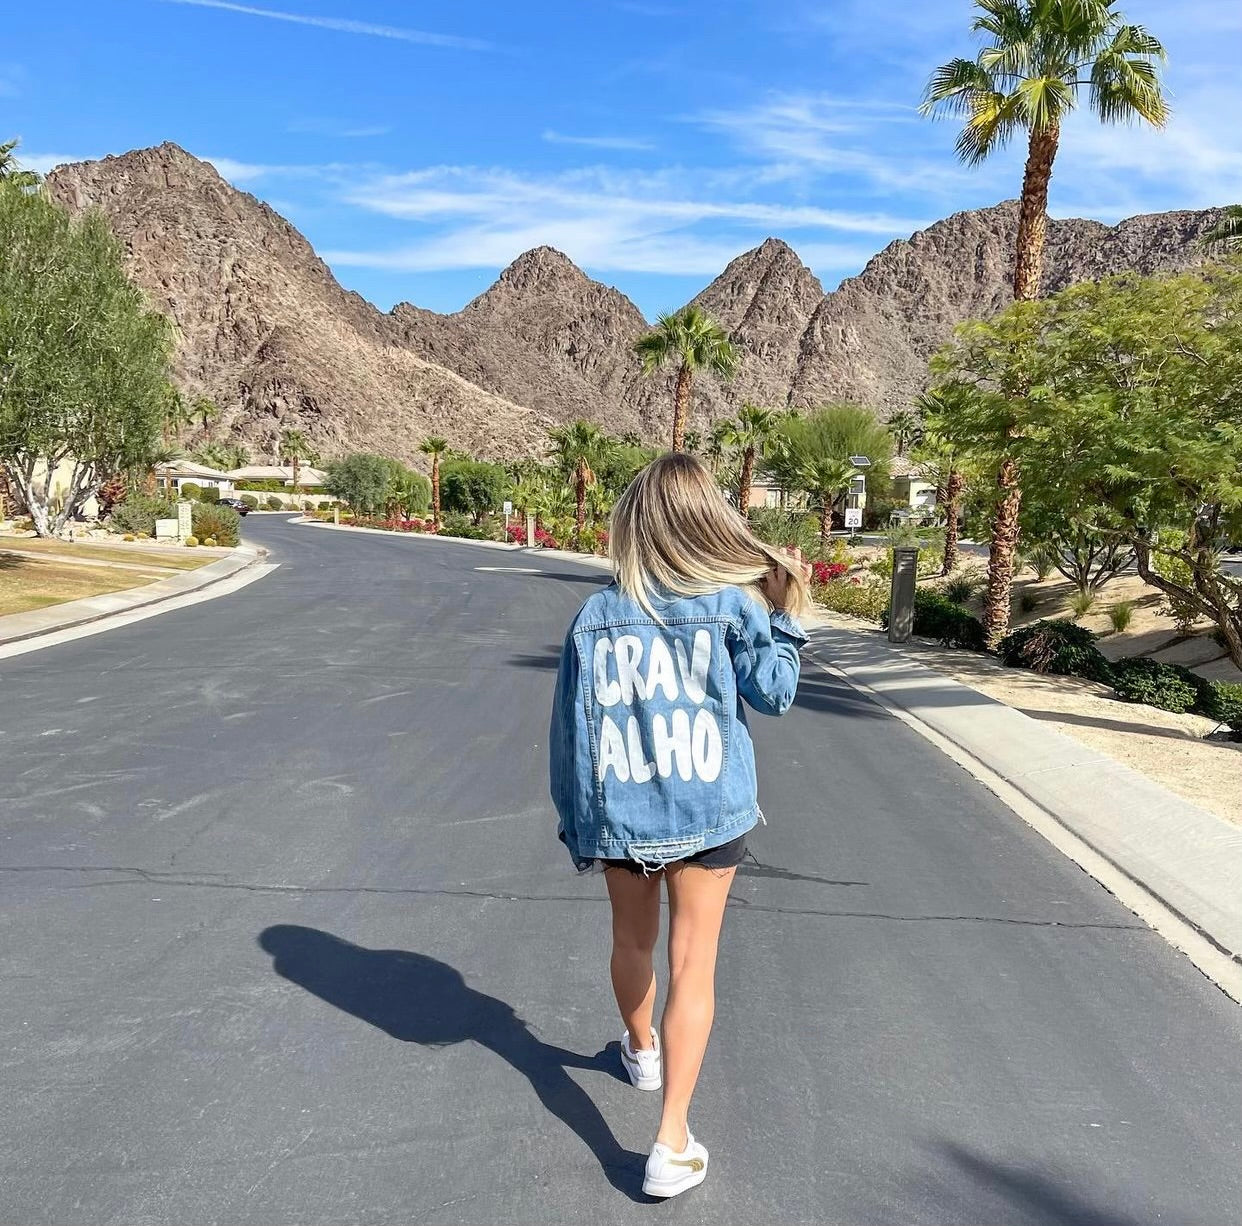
269, 334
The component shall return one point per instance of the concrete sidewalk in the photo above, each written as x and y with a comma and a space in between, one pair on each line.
18, 627
1185, 859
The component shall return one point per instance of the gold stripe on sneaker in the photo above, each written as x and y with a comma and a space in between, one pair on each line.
695, 1164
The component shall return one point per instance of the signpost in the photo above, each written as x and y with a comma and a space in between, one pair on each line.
853, 518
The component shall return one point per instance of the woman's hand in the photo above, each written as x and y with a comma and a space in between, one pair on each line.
775, 584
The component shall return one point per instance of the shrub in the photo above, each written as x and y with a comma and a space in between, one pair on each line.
781, 528
191, 542
1082, 603
1028, 602
828, 572
1058, 647
515, 533
129, 536
854, 597
251, 501
1224, 704
222, 523
210, 542
191, 490
275, 504
1121, 615
1042, 559
1167, 686
883, 565
138, 513
209, 494
938, 618
960, 588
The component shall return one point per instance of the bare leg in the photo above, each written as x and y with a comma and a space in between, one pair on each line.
696, 900
635, 930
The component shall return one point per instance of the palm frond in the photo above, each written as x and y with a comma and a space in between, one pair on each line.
954, 88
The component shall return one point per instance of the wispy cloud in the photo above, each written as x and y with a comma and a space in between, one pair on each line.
672, 221
338, 128
597, 142
45, 163
346, 25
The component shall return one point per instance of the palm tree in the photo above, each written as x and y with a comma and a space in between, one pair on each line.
939, 462
579, 448
435, 447
11, 172
695, 341
827, 480
1041, 55
714, 452
293, 443
1228, 231
747, 434
177, 415
905, 428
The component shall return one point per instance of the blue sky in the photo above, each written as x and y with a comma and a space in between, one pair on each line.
421, 147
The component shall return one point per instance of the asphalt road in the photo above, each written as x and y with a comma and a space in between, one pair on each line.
286, 937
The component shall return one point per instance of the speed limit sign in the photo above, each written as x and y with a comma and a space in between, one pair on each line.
853, 517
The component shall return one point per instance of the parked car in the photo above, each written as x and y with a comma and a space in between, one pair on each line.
242, 508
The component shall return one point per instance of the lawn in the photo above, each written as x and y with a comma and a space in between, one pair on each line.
178, 558
33, 583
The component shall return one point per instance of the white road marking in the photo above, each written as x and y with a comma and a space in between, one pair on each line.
513, 570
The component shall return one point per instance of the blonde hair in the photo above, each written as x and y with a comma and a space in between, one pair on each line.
672, 530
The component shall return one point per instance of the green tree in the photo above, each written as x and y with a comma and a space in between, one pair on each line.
84, 363
905, 426
1126, 394
578, 449
1227, 232
695, 342
472, 487
826, 480
694, 441
941, 463
409, 492
11, 171
361, 480
835, 432
1040, 55
748, 434
295, 447
435, 447
206, 413
225, 456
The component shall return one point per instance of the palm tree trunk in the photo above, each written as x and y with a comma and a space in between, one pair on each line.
435, 490
1033, 218
999, 602
681, 407
953, 496
745, 481
580, 489
825, 522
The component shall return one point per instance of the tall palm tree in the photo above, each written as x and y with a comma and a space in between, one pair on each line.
579, 448
205, 412
747, 434
939, 462
695, 341
1039, 57
294, 445
714, 452
905, 428
826, 480
435, 447
1228, 231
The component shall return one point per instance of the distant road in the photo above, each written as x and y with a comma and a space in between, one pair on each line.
288, 938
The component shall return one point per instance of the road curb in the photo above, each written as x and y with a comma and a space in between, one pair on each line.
26, 627
1173, 863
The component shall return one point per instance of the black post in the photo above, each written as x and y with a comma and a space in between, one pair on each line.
901, 599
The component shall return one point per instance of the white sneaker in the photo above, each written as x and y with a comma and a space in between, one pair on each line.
643, 1067
669, 1173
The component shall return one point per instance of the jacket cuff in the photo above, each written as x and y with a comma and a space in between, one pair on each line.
788, 625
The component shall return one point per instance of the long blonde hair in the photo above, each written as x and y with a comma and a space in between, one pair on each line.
672, 530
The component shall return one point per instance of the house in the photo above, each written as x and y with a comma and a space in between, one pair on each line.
911, 488
279, 472
176, 473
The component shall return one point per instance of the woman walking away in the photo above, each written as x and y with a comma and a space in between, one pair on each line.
652, 767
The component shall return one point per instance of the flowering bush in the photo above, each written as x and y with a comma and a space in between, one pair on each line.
515, 533
827, 572
544, 539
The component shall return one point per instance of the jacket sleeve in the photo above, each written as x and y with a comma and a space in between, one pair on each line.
766, 663
562, 749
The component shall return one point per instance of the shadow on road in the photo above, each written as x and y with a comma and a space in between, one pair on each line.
421, 1000
1036, 1197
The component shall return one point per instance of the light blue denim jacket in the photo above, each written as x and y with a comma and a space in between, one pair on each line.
650, 756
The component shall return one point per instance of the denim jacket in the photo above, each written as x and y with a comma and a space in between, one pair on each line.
650, 756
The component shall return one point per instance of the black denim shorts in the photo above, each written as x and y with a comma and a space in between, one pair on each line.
727, 855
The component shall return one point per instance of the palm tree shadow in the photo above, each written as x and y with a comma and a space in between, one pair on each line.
418, 999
